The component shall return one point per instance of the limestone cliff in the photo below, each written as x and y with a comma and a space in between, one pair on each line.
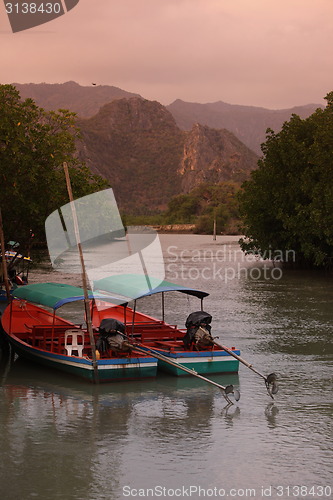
212, 156
137, 146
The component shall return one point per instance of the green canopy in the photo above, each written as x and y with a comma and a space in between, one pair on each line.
135, 286
55, 295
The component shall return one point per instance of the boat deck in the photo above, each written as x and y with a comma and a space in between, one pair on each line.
42, 330
53, 339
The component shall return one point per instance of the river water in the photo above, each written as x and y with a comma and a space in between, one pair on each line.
175, 437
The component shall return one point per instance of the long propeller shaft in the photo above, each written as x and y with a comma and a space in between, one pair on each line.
225, 390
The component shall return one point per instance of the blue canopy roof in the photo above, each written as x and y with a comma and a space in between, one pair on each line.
135, 286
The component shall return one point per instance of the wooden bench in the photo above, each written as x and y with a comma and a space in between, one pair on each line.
160, 335
170, 345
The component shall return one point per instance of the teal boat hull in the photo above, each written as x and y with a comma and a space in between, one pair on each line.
202, 362
108, 370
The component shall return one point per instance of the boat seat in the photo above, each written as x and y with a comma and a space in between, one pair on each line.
74, 342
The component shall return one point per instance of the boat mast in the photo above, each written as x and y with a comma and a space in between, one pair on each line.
83, 273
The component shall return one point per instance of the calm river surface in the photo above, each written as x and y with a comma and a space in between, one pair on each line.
174, 437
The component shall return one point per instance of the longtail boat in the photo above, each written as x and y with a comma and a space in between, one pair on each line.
40, 335
192, 347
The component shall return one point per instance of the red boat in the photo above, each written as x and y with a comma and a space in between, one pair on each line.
45, 338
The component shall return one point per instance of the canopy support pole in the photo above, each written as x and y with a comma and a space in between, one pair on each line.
163, 310
125, 314
133, 318
52, 331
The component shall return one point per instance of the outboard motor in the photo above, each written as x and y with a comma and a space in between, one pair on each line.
12, 275
112, 336
198, 332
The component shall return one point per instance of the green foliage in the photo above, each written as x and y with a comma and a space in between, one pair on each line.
204, 204
288, 202
182, 209
33, 146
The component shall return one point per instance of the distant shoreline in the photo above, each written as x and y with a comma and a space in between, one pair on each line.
173, 228
183, 229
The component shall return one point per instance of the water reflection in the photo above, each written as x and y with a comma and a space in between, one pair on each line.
271, 412
95, 428
230, 413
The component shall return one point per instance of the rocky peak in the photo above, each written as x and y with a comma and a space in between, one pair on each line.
136, 113
212, 156
137, 146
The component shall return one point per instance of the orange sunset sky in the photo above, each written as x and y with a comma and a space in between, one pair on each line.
270, 53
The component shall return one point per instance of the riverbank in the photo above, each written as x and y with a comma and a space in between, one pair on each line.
174, 228
187, 229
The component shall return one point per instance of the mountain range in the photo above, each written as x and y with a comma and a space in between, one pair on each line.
248, 123
85, 101
150, 152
